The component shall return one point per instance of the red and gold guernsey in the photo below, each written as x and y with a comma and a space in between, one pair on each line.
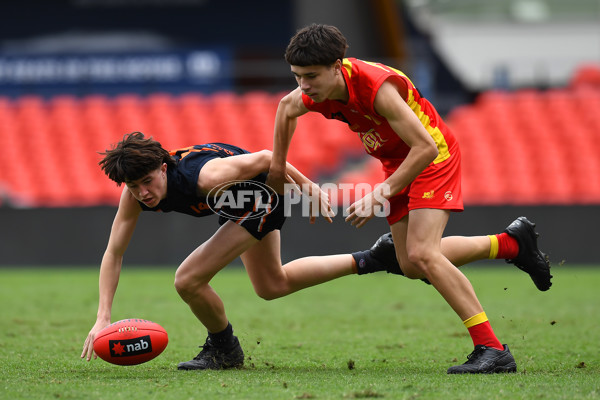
364, 79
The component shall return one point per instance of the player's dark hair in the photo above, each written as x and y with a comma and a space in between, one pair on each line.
316, 44
133, 158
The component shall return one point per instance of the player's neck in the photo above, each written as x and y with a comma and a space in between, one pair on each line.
340, 91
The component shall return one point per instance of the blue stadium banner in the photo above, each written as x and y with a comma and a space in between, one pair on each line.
206, 70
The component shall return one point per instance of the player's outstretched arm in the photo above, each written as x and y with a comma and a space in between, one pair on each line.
110, 268
290, 108
223, 172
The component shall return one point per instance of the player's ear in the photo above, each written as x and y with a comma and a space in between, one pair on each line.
337, 66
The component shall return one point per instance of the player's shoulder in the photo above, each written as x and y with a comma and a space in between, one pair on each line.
225, 149
293, 104
185, 155
129, 207
292, 97
357, 65
363, 68
363, 74
376, 76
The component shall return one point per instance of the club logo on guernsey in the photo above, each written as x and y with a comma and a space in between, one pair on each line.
371, 140
130, 347
242, 200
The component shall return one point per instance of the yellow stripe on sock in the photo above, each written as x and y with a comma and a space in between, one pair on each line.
493, 247
475, 320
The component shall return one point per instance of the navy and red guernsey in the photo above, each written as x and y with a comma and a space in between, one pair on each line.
182, 195
249, 203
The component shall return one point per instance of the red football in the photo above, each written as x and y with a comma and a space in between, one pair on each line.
130, 341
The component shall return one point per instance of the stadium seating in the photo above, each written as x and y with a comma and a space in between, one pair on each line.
587, 75
521, 147
530, 147
49, 152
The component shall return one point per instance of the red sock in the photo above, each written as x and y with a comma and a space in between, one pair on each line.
503, 246
481, 331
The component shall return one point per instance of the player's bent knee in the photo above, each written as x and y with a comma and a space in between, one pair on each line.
187, 287
413, 273
420, 259
268, 296
182, 287
189, 291
414, 268
270, 292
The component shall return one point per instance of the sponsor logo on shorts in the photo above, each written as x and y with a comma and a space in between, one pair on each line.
448, 195
130, 347
429, 195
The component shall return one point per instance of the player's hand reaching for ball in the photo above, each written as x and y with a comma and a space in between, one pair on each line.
88, 345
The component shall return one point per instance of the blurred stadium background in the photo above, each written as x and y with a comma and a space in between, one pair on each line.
517, 80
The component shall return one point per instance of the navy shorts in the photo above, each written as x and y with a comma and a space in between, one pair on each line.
259, 221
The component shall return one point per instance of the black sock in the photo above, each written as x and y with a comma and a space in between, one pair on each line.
366, 264
223, 338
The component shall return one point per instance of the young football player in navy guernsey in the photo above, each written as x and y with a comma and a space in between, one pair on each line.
421, 161
185, 181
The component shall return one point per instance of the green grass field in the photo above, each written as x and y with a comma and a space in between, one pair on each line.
378, 336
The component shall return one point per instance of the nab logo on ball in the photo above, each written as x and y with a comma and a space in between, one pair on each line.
130, 341
128, 348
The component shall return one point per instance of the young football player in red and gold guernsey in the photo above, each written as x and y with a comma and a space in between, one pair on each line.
421, 160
